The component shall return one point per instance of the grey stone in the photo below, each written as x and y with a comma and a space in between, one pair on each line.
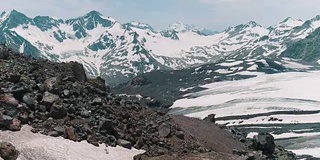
180, 134
53, 133
97, 101
124, 143
28, 100
164, 130
49, 98
58, 111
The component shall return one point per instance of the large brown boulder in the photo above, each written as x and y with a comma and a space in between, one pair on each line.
9, 100
8, 151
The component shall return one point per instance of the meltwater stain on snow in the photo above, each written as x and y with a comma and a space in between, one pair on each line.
37, 146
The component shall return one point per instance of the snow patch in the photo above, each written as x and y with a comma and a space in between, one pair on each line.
38, 146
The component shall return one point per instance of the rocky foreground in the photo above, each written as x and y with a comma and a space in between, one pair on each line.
59, 100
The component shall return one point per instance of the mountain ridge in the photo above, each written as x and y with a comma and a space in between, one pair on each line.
119, 51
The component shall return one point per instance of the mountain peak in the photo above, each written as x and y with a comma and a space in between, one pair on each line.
252, 24
94, 13
290, 22
3, 13
288, 19
140, 25
15, 13
181, 27
46, 22
14, 19
316, 18
3, 16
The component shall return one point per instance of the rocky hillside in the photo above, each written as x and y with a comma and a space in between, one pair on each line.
119, 51
57, 99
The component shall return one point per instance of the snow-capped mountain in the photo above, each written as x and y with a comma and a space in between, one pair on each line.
106, 47
119, 51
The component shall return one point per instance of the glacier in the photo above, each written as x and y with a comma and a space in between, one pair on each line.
284, 104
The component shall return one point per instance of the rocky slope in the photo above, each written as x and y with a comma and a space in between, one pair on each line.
306, 49
57, 99
119, 51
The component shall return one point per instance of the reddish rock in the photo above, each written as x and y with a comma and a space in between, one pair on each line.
9, 99
69, 133
92, 140
15, 125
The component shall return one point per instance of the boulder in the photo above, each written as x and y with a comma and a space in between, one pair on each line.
92, 140
58, 111
180, 134
4, 54
99, 83
59, 129
8, 151
24, 117
164, 130
78, 71
29, 101
18, 91
139, 143
85, 114
53, 133
49, 98
52, 85
210, 118
12, 124
14, 78
5, 120
66, 93
107, 125
9, 100
70, 134
124, 143
15, 125
97, 101
265, 142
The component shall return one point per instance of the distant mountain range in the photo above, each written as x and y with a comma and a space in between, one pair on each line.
119, 51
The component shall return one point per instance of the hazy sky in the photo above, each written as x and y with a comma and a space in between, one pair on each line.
212, 14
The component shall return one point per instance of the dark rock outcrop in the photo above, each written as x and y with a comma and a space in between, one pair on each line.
78, 71
210, 118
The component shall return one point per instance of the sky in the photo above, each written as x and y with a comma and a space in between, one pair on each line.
211, 14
